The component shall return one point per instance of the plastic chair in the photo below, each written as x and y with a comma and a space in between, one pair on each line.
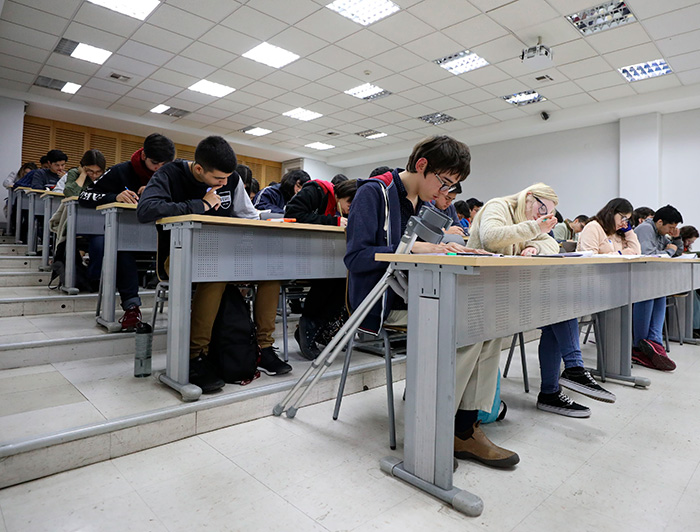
161, 296
286, 296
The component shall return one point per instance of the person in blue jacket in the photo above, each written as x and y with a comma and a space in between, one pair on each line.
275, 197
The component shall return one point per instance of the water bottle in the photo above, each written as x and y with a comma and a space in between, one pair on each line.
144, 342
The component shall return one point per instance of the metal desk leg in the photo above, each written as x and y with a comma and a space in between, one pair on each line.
108, 285
31, 225
428, 445
686, 319
10, 202
69, 284
177, 371
18, 217
46, 238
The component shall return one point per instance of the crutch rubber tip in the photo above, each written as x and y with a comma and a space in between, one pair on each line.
291, 412
277, 410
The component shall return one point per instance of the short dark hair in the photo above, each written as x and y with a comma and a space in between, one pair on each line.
688, 231
338, 178
214, 153
159, 148
606, 216
641, 213
246, 174
379, 170
290, 179
253, 187
93, 157
581, 218
473, 202
455, 189
53, 156
444, 154
558, 216
43, 159
668, 215
462, 208
346, 189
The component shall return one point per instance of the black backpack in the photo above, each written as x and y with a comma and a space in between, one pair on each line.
234, 346
58, 270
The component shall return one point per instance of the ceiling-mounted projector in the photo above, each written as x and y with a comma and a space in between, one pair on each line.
537, 57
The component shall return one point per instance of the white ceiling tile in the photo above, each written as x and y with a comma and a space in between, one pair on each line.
248, 98
12, 84
419, 109
327, 25
202, 118
531, 78
680, 44
492, 105
230, 79
587, 67
307, 69
110, 86
390, 117
509, 86
18, 75
216, 9
174, 78
278, 107
567, 7
214, 112
553, 32
673, 23
215, 130
143, 52
452, 85
288, 12
367, 72
462, 112
210, 55
573, 51
285, 80
533, 109
37, 39
160, 38
365, 44
481, 120
633, 55
680, 63
600, 81
179, 21
125, 108
443, 102
93, 36
232, 125
344, 101
339, 81
96, 94
412, 28
194, 99
254, 23
612, 93
33, 18
57, 95
508, 114
62, 8
17, 63
428, 73
472, 96
656, 84
81, 99
619, 38
106, 20
230, 106
558, 90
442, 13
348, 116
298, 41
126, 65
689, 77
335, 57
500, 49
229, 40
421, 94
523, 13
147, 96
434, 46
485, 75
646, 9
264, 90
306, 94
184, 122
393, 102
249, 68
105, 72
140, 105
475, 31
70, 64
398, 60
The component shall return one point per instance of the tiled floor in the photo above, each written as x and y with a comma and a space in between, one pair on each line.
633, 466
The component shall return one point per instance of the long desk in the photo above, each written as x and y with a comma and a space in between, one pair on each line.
81, 221
51, 200
209, 248
123, 232
497, 297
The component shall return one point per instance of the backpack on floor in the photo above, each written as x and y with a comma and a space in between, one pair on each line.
499, 408
234, 347
58, 270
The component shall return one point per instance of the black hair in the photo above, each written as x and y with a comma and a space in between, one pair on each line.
444, 154
558, 216
53, 156
688, 231
246, 174
271, 183
253, 187
43, 160
606, 216
668, 215
290, 179
473, 202
93, 157
346, 189
159, 148
455, 189
379, 170
214, 153
338, 178
581, 218
641, 213
462, 208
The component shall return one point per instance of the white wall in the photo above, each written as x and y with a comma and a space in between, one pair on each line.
320, 170
11, 125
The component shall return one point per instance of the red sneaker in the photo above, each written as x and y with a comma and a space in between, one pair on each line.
638, 357
130, 319
657, 355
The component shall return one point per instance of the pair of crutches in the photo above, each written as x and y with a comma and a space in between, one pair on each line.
428, 226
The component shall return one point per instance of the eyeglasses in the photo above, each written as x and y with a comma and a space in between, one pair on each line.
444, 185
542, 209
624, 219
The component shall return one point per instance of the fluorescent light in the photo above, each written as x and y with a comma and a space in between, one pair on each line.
524, 98
211, 88
257, 131
364, 12
71, 88
270, 55
461, 62
651, 69
139, 9
601, 17
371, 134
437, 118
376, 136
160, 108
90, 53
367, 92
320, 146
302, 114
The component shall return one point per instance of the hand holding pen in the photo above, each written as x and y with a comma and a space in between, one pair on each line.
128, 197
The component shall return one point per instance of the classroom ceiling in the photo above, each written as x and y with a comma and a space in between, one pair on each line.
182, 42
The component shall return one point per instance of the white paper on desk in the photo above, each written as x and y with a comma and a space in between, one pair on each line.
618, 256
687, 256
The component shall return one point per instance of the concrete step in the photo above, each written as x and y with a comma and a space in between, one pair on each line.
13, 249
17, 263
15, 278
7, 239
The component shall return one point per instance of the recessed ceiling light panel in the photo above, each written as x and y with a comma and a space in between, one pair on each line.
302, 114
524, 98
371, 134
158, 109
256, 131
91, 53
211, 88
461, 62
139, 9
270, 55
367, 92
437, 118
320, 146
71, 88
364, 12
56, 84
641, 71
602, 17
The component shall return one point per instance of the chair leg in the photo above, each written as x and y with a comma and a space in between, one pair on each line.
389, 390
285, 341
599, 347
588, 331
343, 377
678, 323
155, 308
510, 356
665, 333
523, 361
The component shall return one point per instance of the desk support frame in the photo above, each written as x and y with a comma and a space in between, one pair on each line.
19, 200
46, 237
107, 315
69, 284
31, 224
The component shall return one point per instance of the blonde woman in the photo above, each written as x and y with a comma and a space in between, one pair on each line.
520, 225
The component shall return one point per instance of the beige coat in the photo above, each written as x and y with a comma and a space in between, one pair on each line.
495, 230
593, 238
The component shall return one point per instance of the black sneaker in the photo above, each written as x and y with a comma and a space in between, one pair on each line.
271, 364
203, 374
580, 380
560, 403
304, 335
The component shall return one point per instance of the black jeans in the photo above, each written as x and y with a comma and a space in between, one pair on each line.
127, 272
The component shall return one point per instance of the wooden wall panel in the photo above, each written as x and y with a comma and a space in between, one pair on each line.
72, 143
35, 142
107, 145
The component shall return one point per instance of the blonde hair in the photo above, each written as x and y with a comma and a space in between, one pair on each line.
518, 201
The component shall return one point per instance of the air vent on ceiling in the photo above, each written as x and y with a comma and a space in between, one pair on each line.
120, 77
332, 133
437, 118
66, 47
49, 83
174, 111
544, 78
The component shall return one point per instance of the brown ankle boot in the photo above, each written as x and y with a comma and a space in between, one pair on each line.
479, 447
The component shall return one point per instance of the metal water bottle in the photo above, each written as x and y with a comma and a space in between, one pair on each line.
144, 343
